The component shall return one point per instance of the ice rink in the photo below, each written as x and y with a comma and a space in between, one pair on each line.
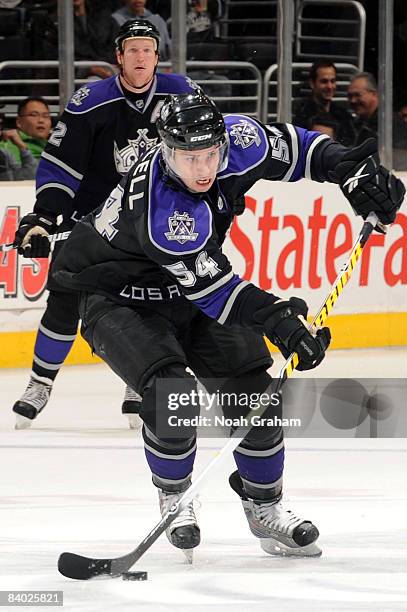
78, 481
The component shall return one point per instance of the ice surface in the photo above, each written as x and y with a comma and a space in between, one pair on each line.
78, 481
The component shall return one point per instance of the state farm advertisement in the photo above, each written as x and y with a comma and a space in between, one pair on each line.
292, 240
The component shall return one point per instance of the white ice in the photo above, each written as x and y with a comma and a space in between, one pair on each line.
78, 481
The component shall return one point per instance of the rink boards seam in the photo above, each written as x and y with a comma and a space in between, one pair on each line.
348, 331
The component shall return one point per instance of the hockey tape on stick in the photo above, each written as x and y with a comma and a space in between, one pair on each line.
51, 237
340, 282
79, 567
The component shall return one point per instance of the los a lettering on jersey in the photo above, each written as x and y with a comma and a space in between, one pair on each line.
154, 240
98, 138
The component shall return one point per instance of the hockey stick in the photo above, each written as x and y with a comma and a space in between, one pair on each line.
4, 248
79, 567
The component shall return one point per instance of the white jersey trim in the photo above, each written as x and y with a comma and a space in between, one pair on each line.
260, 453
294, 144
68, 190
168, 456
310, 152
231, 300
213, 287
55, 336
267, 485
58, 162
93, 107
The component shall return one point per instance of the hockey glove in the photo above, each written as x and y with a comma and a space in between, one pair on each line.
285, 329
368, 186
31, 236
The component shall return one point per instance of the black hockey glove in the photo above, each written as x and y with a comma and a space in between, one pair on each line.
283, 327
31, 236
368, 186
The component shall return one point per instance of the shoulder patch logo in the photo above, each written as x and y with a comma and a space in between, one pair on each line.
125, 158
245, 134
181, 227
80, 95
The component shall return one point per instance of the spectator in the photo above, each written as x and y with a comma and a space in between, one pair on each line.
324, 123
201, 19
403, 112
135, 9
95, 31
364, 100
322, 81
33, 129
162, 7
10, 168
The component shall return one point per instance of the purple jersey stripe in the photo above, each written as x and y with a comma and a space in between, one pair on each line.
51, 173
263, 470
50, 350
212, 304
173, 469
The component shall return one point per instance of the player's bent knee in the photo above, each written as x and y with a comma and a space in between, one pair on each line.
170, 403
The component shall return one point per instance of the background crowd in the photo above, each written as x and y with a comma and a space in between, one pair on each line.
29, 30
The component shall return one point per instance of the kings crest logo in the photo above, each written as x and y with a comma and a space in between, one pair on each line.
245, 134
125, 158
80, 95
181, 227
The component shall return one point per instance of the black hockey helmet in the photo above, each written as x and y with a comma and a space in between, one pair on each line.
137, 28
191, 121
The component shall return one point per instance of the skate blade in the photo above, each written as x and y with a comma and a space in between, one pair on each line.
189, 555
134, 421
22, 422
273, 547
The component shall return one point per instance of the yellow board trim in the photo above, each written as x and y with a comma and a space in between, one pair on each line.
371, 330
348, 331
16, 350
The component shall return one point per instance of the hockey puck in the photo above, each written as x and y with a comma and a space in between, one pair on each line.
134, 576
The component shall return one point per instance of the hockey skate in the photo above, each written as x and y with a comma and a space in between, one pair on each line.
33, 400
280, 531
131, 408
184, 532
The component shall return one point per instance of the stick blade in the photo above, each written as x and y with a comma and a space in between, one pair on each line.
83, 568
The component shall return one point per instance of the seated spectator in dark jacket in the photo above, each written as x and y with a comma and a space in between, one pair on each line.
33, 124
95, 32
402, 112
202, 16
364, 101
135, 9
10, 168
322, 81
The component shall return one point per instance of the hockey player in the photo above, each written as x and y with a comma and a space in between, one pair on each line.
158, 294
106, 126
